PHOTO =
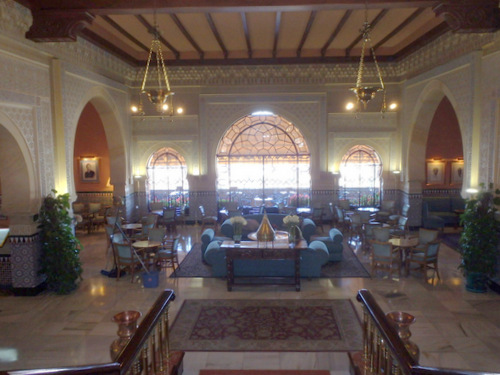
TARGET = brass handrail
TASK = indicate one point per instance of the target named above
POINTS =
(395, 358)
(147, 351)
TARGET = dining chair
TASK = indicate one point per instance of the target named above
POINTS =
(157, 234)
(425, 258)
(317, 217)
(167, 256)
(384, 256)
(381, 234)
(207, 220)
(168, 219)
(125, 258)
(400, 229)
(342, 219)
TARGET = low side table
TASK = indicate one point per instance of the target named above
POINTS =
(276, 250)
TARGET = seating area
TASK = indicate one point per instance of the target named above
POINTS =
(440, 212)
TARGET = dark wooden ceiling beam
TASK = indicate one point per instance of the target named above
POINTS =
(376, 20)
(277, 26)
(99, 7)
(58, 26)
(188, 36)
(217, 35)
(124, 32)
(247, 34)
(151, 29)
(337, 30)
(478, 16)
(312, 16)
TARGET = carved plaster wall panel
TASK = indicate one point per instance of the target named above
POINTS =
(490, 122)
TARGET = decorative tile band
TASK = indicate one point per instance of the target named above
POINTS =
(24, 239)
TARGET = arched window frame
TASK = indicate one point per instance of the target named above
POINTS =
(245, 141)
(362, 194)
(176, 191)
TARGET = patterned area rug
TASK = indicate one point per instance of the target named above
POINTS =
(350, 266)
(266, 325)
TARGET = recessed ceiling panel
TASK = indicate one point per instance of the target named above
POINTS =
(292, 29)
(231, 31)
(324, 25)
(261, 27)
(198, 27)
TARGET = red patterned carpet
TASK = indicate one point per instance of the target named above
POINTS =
(264, 372)
(266, 325)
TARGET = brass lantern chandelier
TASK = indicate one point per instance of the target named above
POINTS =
(160, 95)
(363, 92)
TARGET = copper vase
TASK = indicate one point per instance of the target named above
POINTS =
(127, 325)
(265, 233)
(402, 321)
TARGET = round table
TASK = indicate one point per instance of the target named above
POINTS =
(131, 228)
(404, 244)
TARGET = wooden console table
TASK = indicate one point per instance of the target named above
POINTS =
(276, 250)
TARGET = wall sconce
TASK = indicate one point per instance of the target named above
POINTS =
(396, 171)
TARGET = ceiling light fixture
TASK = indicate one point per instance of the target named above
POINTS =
(160, 94)
(366, 93)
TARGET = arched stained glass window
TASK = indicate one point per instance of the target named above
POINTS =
(166, 178)
(263, 160)
(360, 176)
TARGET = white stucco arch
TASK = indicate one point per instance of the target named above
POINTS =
(20, 187)
(114, 128)
(425, 108)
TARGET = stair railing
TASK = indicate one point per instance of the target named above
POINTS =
(147, 353)
(384, 352)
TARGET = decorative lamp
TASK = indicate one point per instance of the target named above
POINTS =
(161, 94)
(366, 93)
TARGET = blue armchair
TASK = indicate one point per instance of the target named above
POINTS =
(334, 244)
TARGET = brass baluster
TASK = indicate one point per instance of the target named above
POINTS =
(152, 341)
(145, 359)
(159, 329)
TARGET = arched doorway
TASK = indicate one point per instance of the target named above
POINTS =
(360, 176)
(166, 178)
(263, 160)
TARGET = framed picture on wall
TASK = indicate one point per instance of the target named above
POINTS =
(89, 170)
(457, 172)
(435, 173)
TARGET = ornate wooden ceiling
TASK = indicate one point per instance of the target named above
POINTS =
(197, 32)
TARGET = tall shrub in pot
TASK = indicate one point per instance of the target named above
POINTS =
(479, 239)
(60, 261)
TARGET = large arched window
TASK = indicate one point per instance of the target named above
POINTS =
(360, 181)
(166, 182)
(263, 159)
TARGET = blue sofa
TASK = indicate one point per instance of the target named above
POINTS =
(208, 236)
(437, 212)
(307, 227)
(334, 244)
(311, 261)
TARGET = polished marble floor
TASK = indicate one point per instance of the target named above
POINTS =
(454, 328)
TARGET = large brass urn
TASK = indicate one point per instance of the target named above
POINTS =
(265, 233)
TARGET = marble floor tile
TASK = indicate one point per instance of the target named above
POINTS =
(453, 328)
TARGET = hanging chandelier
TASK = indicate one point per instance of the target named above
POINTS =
(160, 95)
(363, 92)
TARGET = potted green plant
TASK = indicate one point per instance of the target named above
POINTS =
(479, 239)
(60, 261)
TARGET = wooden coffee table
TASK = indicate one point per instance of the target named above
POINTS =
(276, 250)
